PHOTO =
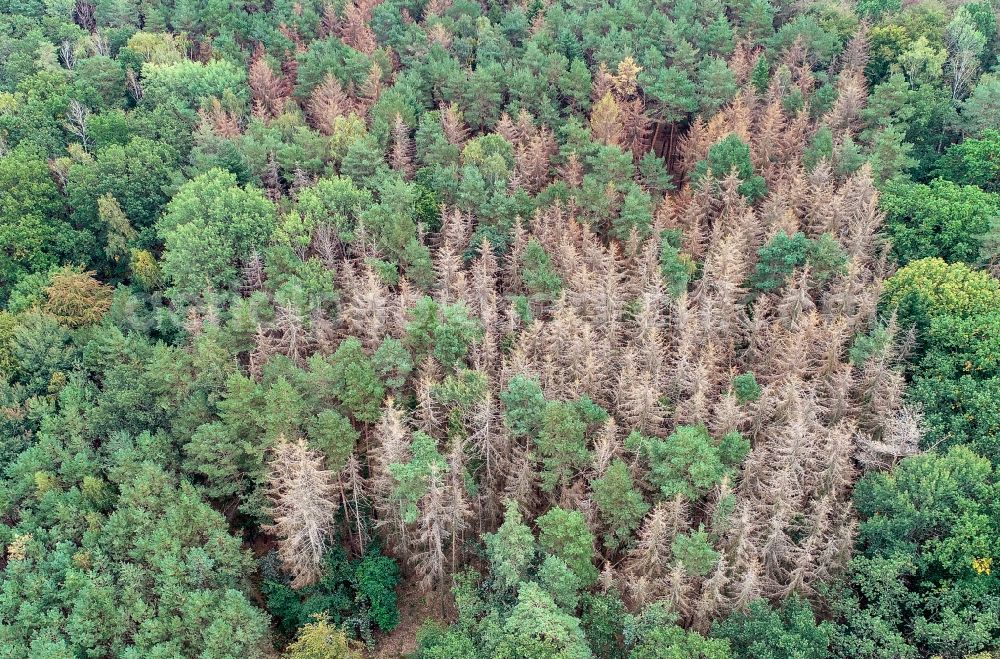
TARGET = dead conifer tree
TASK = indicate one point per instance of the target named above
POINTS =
(265, 85)
(743, 60)
(451, 283)
(899, 438)
(651, 556)
(367, 310)
(636, 127)
(391, 446)
(637, 398)
(436, 8)
(507, 129)
(522, 482)
(766, 139)
(401, 156)
(303, 505)
(572, 172)
(264, 347)
(455, 130)
(457, 505)
(855, 56)
(430, 558)
(292, 337)
(219, 121)
(852, 93)
(606, 447)
(713, 601)
(327, 103)
(354, 495)
(354, 27)
(603, 83)
(677, 587)
(747, 588)
(533, 159)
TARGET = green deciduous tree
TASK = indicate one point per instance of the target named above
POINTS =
(980, 111)
(731, 155)
(32, 228)
(636, 214)
(689, 462)
(783, 254)
(694, 552)
(354, 382)
(930, 287)
(539, 277)
(940, 219)
(209, 225)
(974, 162)
(444, 331)
(655, 634)
(333, 434)
(922, 581)
(676, 266)
(335, 202)
(564, 533)
(321, 640)
(956, 381)
(538, 629)
(191, 82)
(511, 550)
(619, 504)
(524, 406)
(135, 174)
(788, 632)
(562, 439)
(746, 388)
(163, 551)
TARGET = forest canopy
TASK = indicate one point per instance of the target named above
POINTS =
(646, 329)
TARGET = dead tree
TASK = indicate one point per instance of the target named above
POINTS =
(303, 504)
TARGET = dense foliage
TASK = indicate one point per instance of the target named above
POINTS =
(633, 329)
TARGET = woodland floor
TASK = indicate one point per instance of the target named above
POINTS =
(415, 608)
